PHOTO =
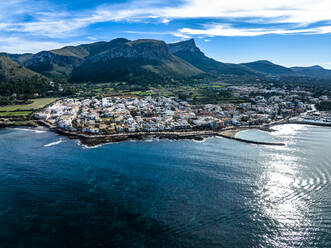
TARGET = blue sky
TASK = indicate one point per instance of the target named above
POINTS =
(287, 32)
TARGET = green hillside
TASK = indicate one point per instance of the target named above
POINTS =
(266, 67)
(15, 78)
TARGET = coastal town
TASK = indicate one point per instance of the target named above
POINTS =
(133, 114)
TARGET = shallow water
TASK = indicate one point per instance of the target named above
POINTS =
(218, 193)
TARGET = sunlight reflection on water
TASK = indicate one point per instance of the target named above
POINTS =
(289, 129)
(286, 191)
(219, 193)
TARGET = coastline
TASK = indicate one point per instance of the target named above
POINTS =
(12, 124)
(94, 140)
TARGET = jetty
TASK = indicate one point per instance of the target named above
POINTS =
(230, 133)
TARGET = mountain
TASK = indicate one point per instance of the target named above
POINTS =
(48, 63)
(53, 65)
(15, 78)
(87, 50)
(269, 68)
(188, 51)
(145, 60)
(58, 64)
(315, 71)
(19, 58)
(119, 59)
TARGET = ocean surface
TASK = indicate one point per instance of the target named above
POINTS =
(160, 193)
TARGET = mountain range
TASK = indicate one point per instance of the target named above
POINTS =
(140, 60)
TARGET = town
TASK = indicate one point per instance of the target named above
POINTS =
(130, 114)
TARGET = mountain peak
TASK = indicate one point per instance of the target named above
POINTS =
(317, 67)
(302, 68)
(190, 41)
(269, 68)
(118, 41)
(263, 62)
(187, 45)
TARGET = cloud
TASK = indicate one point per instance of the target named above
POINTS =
(20, 45)
(293, 11)
(147, 32)
(228, 30)
(44, 19)
(165, 21)
(53, 21)
(181, 35)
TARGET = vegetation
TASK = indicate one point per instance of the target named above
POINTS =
(18, 123)
(21, 114)
(266, 67)
(15, 78)
(195, 92)
(134, 70)
(15, 114)
(34, 105)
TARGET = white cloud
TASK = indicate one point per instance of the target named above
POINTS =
(57, 22)
(147, 32)
(294, 11)
(165, 21)
(181, 35)
(20, 45)
(228, 30)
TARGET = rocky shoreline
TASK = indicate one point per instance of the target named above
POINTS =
(94, 140)
(13, 124)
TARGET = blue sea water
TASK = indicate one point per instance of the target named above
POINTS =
(160, 193)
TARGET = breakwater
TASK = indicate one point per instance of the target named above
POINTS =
(252, 141)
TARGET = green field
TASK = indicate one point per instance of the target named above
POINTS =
(14, 114)
(141, 93)
(37, 104)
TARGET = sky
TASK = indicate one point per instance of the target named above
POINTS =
(286, 32)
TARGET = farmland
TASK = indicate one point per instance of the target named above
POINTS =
(21, 113)
(35, 105)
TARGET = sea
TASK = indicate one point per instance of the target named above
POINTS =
(55, 192)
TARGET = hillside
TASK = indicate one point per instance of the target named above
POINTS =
(88, 50)
(19, 58)
(313, 72)
(188, 51)
(143, 60)
(269, 68)
(15, 78)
